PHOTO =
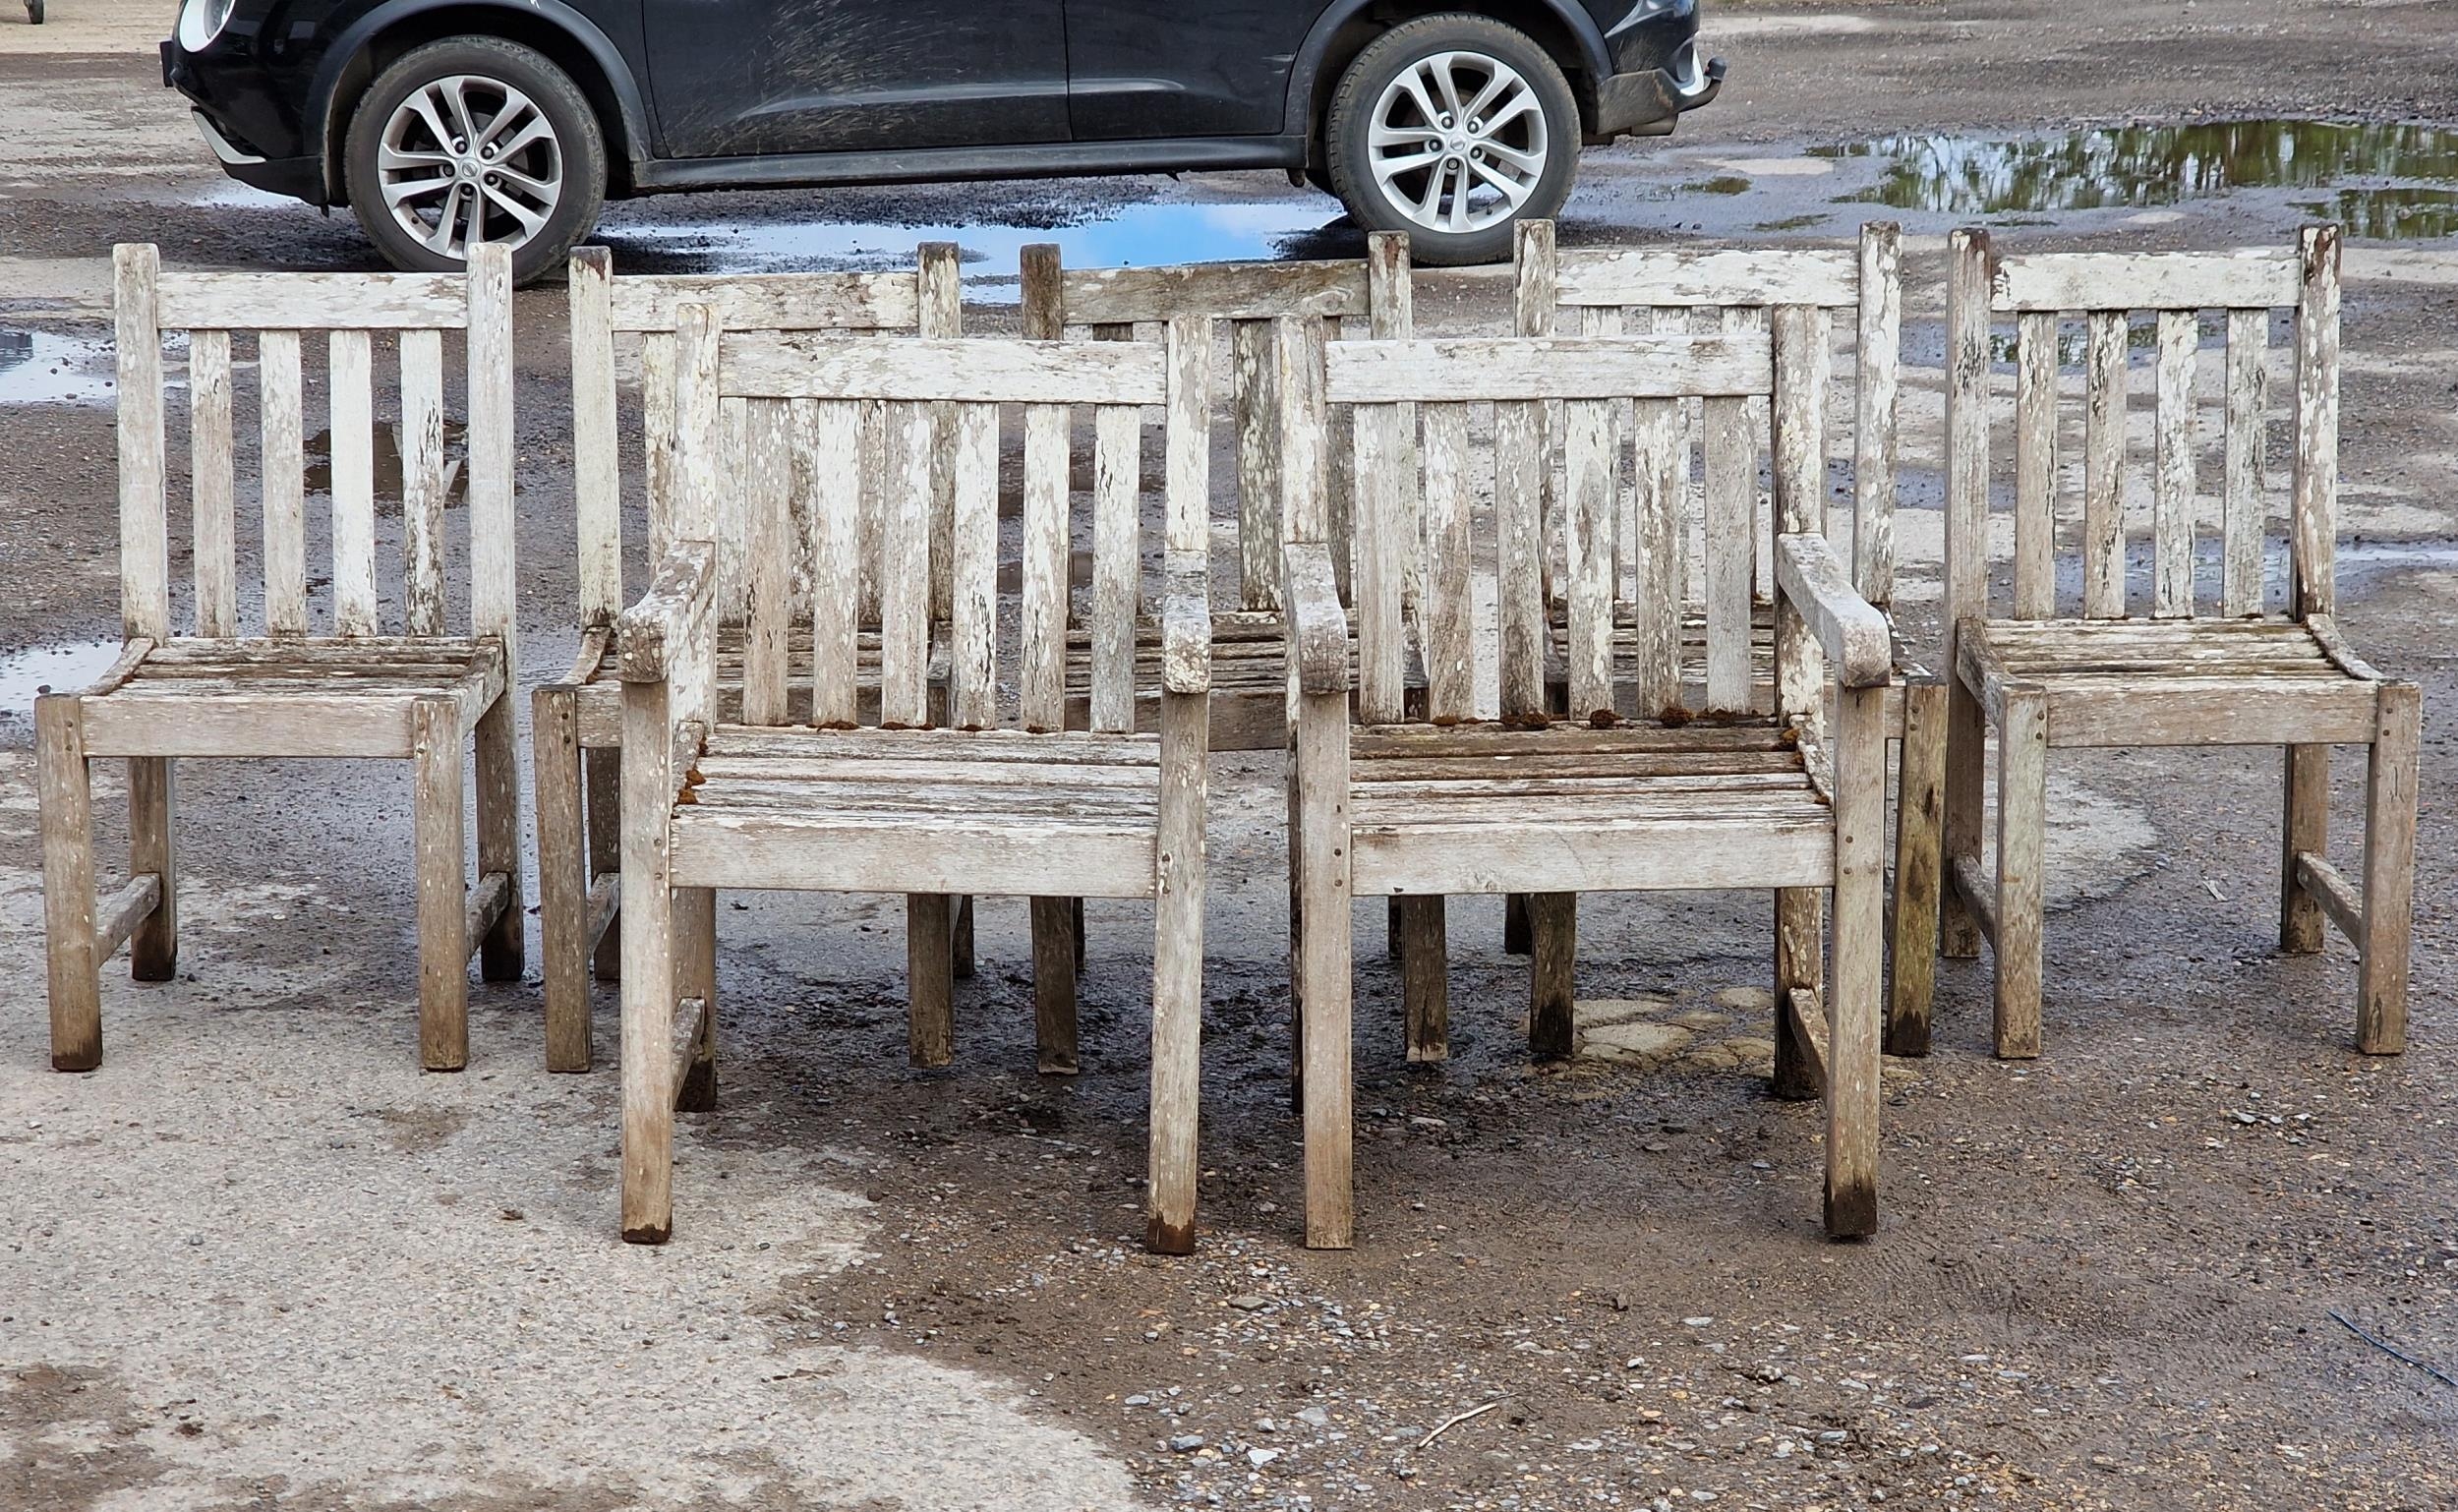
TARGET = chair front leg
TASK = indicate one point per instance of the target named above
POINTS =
(650, 970)
(930, 980)
(1324, 969)
(65, 799)
(1177, 979)
(1425, 974)
(153, 949)
(1552, 951)
(435, 736)
(2021, 837)
(1055, 958)
(2389, 869)
(1856, 985)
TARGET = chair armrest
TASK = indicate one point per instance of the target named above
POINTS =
(1187, 629)
(1318, 627)
(671, 618)
(1861, 649)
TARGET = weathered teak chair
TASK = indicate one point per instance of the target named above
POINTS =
(1606, 292)
(331, 685)
(1325, 300)
(577, 723)
(2182, 644)
(1698, 793)
(903, 806)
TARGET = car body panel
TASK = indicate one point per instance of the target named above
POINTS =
(748, 78)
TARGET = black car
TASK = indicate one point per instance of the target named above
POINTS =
(442, 122)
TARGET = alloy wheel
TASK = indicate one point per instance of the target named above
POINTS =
(1457, 142)
(467, 159)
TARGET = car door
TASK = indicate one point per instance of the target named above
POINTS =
(1155, 67)
(736, 78)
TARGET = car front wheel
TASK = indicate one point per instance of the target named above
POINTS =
(1451, 128)
(474, 140)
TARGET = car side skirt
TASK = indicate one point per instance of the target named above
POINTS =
(1047, 159)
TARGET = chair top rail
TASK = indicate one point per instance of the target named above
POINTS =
(311, 302)
(645, 303)
(971, 371)
(1826, 277)
(2061, 281)
(1659, 366)
(1230, 291)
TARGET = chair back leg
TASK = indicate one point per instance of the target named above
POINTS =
(153, 949)
(64, 797)
(2389, 869)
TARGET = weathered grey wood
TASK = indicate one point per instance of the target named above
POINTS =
(117, 916)
(1966, 880)
(423, 482)
(1800, 1059)
(2035, 465)
(1117, 566)
(501, 946)
(1639, 367)
(972, 645)
(596, 477)
(154, 944)
(769, 302)
(315, 301)
(2334, 894)
(2242, 513)
(1731, 501)
(486, 903)
(905, 567)
(1967, 591)
(1855, 636)
(793, 365)
(1320, 836)
(2389, 871)
(1877, 369)
(1553, 951)
(2171, 501)
(2144, 280)
(939, 276)
(1253, 408)
(1386, 520)
(827, 440)
(144, 539)
(1855, 987)
(350, 433)
(2103, 468)
(212, 484)
(2021, 832)
(1588, 517)
(1424, 949)
(1448, 627)
(1177, 977)
(1233, 291)
(1043, 695)
(1815, 602)
(603, 799)
(649, 960)
(1422, 853)
(930, 983)
(1522, 477)
(1827, 277)
(564, 883)
(1921, 811)
(2313, 535)
(64, 797)
(442, 886)
(765, 485)
(281, 408)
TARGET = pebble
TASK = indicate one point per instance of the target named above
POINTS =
(1250, 1302)
(1696, 1323)
(1315, 1417)
(1258, 1458)
(1139, 1400)
(1186, 1443)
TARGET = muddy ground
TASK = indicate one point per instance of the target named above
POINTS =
(258, 1260)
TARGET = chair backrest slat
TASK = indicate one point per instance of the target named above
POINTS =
(359, 317)
(1595, 379)
(423, 480)
(1250, 298)
(803, 398)
(927, 302)
(1731, 291)
(213, 483)
(282, 404)
(351, 432)
(2194, 533)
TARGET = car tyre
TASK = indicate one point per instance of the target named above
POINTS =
(474, 133)
(1453, 181)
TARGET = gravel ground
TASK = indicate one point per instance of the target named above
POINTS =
(259, 1260)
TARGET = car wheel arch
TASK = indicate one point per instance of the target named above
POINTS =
(562, 35)
(1563, 28)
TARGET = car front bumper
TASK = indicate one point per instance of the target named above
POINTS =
(1647, 102)
(241, 110)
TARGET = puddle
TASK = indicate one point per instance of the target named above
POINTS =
(2390, 181)
(40, 367)
(51, 669)
(318, 449)
(1132, 236)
